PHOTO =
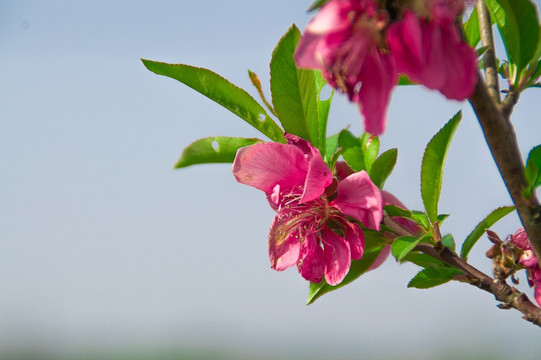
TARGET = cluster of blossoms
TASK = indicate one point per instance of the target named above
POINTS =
(529, 261)
(361, 46)
(317, 219)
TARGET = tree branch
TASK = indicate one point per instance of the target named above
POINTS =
(500, 135)
(487, 39)
(501, 140)
(509, 103)
(508, 295)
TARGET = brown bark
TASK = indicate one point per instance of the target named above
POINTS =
(509, 296)
(489, 57)
(494, 119)
(500, 137)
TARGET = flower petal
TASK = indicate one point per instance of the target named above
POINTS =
(404, 39)
(307, 54)
(445, 11)
(330, 18)
(342, 41)
(520, 239)
(311, 264)
(337, 257)
(536, 280)
(433, 54)
(355, 239)
(378, 77)
(319, 175)
(433, 71)
(264, 166)
(314, 46)
(461, 65)
(342, 170)
(284, 249)
(537, 293)
(358, 197)
(528, 259)
(417, 50)
(318, 178)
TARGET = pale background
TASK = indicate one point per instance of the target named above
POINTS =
(104, 249)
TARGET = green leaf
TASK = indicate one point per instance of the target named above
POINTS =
(352, 150)
(393, 210)
(332, 161)
(537, 54)
(222, 92)
(294, 91)
(422, 219)
(316, 5)
(323, 109)
(535, 75)
(383, 167)
(442, 218)
(215, 149)
(359, 153)
(518, 24)
(480, 52)
(433, 276)
(405, 80)
(533, 170)
(432, 166)
(449, 241)
(374, 243)
(471, 29)
(370, 145)
(422, 260)
(417, 216)
(483, 226)
(333, 152)
(403, 245)
(331, 146)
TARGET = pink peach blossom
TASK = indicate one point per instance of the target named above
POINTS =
(443, 11)
(343, 41)
(312, 226)
(529, 261)
(360, 52)
(431, 52)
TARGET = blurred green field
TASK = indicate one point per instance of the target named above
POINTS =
(230, 354)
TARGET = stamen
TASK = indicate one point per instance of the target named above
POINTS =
(300, 219)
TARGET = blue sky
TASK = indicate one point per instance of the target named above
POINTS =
(103, 245)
